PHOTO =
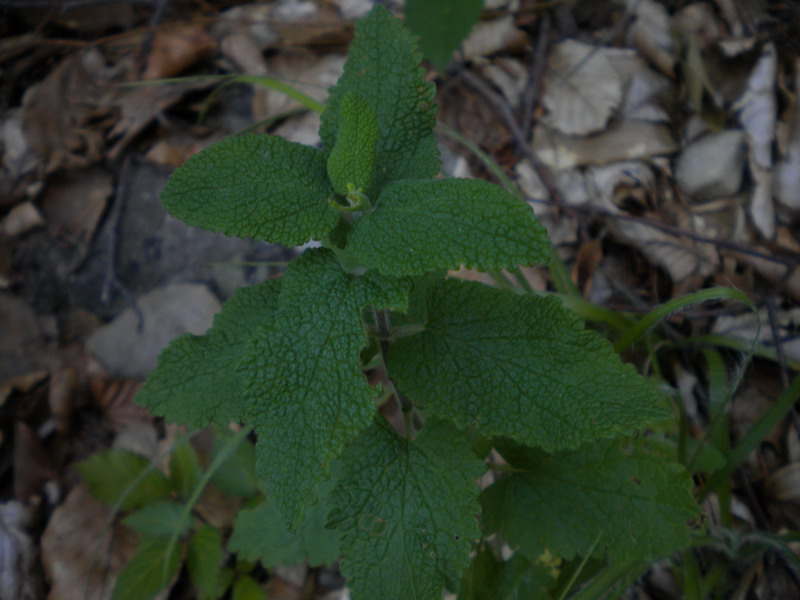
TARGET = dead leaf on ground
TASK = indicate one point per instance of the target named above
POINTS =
(32, 466)
(176, 48)
(70, 136)
(82, 550)
(18, 578)
(582, 88)
(75, 201)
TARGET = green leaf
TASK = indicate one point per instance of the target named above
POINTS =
(441, 25)
(636, 500)
(195, 382)
(124, 479)
(351, 163)
(148, 572)
(515, 579)
(259, 534)
(258, 186)
(383, 68)
(305, 392)
(204, 562)
(519, 366)
(247, 588)
(425, 225)
(184, 468)
(161, 519)
(406, 510)
(236, 475)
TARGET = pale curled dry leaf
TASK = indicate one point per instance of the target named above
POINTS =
(488, 37)
(82, 550)
(582, 88)
(650, 33)
(18, 580)
(627, 140)
(757, 108)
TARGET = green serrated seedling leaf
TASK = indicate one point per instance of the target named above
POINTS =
(519, 366)
(351, 163)
(195, 382)
(124, 479)
(236, 476)
(149, 571)
(441, 25)
(161, 519)
(383, 68)
(406, 510)
(258, 186)
(184, 468)
(425, 225)
(259, 534)
(305, 392)
(635, 500)
(203, 560)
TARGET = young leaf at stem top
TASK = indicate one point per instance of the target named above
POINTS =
(383, 68)
(351, 163)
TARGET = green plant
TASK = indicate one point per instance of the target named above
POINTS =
(441, 25)
(485, 379)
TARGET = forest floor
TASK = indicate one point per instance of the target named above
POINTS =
(659, 142)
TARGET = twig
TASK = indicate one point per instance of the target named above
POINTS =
(65, 5)
(535, 72)
(111, 237)
(505, 113)
(790, 263)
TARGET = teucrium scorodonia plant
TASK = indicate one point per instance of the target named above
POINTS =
(474, 366)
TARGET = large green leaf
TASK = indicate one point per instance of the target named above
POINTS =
(420, 226)
(304, 389)
(441, 25)
(195, 382)
(406, 510)
(383, 68)
(258, 186)
(519, 366)
(636, 501)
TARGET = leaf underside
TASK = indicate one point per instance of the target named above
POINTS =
(304, 389)
(404, 103)
(406, 510)
(521, 367)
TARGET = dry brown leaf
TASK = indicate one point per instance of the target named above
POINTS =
(32, 467)
(176, 48)
(69, 136)
(75, 201)
(82, 550)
